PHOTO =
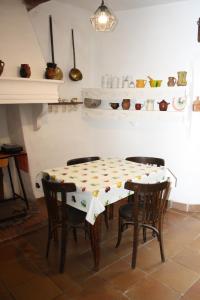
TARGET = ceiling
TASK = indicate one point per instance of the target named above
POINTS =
(117, 4)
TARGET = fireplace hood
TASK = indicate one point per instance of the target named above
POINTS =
(14, 90)
(19, 45)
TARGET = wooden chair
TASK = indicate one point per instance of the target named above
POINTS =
(148, 216)
(151, 161)
(147, 160)
(82, 160)
(61, 216)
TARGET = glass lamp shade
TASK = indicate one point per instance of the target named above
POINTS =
(103, 19)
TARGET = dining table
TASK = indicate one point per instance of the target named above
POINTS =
(100, 183)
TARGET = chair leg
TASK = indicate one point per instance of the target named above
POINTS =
(48, 240)
(64, 238)
(75, 234)
(144, 234)
(55, 233)
(120, 230)
(135, 245)
(160, 240)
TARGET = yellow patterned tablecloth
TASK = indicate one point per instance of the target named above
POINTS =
(101, 182)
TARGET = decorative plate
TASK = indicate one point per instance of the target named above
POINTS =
(179, 103)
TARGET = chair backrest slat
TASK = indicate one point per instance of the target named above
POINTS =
(147, 160)
(82, 160)
(153, 198)
(51, 191)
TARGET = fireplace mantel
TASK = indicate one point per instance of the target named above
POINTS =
(14, 90)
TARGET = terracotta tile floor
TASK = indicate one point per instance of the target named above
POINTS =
(25, 274)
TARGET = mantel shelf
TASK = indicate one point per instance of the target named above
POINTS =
(15, 90)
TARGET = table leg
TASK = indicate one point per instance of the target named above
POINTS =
(11, 181)
(21, 182)
(95, 233)
(1, 185)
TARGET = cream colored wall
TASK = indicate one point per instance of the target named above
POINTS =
(155, 41)
(18, 42)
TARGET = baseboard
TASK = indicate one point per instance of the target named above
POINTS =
(185, 207)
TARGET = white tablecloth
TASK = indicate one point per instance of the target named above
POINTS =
(101, 182)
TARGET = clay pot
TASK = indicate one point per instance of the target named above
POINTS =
(114, 105)
(163, 105)
(138, 106)
(2, 64)
(171, 81)
(25, 71)
(50, 72)
(126, 104)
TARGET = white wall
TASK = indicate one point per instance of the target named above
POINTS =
(156, 41)
(18, 42)
(3, 125)
(64, 18)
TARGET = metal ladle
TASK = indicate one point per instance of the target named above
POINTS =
(75, 74)
(58, 71)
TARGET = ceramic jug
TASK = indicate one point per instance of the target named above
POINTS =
(182, 78)
(149, 104)
(138, 106)
(163, 105)
(50, 72)
(126, 104)
(196, 104)
(140, 83)
(2, 64)
(171, 81)
(25, 71)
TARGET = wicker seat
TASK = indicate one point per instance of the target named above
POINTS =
(147, 216)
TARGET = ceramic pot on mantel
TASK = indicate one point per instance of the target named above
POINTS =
(2, 64)
(25, 71)
(50, 72)
(126, 104)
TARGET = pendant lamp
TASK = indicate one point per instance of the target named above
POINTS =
(103, 19)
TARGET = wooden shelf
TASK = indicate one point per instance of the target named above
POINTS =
(65, 103)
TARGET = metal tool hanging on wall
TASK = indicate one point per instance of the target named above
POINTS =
(74, 74)
(198, 37)
(53, 71)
